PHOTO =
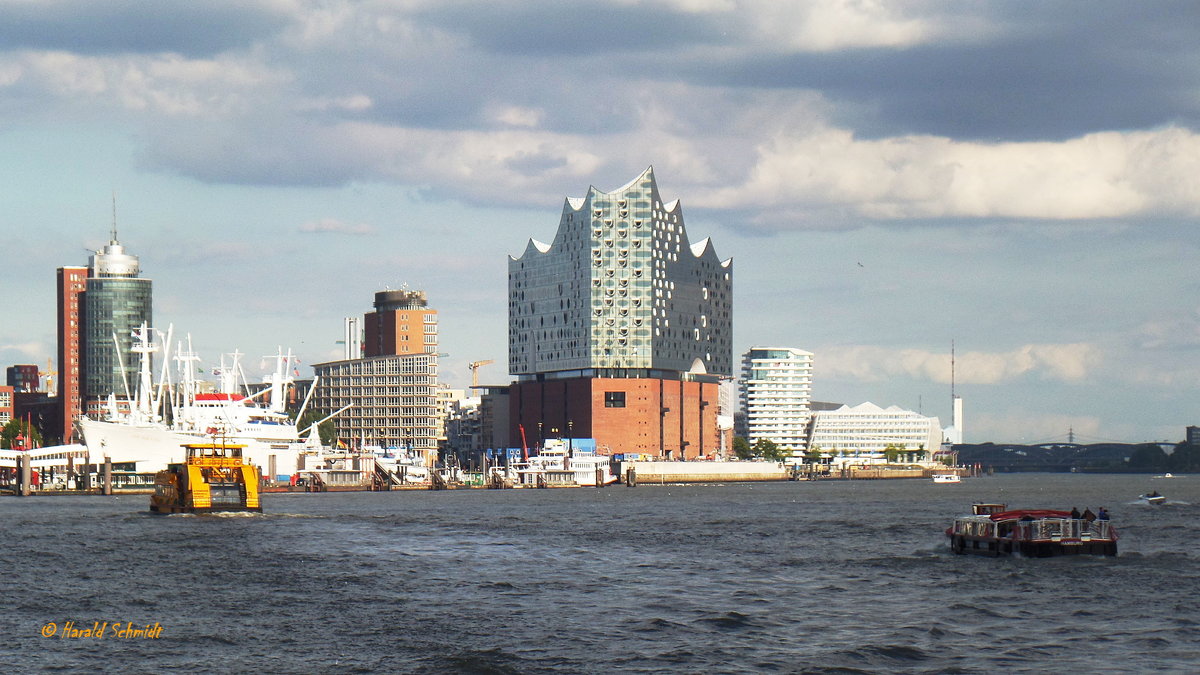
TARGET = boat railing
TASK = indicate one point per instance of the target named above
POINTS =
(1052, 529)
(1070, 528)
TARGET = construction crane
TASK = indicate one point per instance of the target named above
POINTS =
(49, 374)
(475, 366)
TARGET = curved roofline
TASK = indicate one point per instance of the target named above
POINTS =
(534, 245)
(623, 188)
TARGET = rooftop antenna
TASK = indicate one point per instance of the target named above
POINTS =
(114, 222)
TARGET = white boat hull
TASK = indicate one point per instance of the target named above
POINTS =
(153, 447)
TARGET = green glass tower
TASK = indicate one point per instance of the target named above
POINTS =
(116, 303)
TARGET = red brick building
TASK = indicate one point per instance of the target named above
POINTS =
(402, 323)
(72, 282)
(669, 418)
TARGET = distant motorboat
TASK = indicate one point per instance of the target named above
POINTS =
(1152, 498)
(947, 478)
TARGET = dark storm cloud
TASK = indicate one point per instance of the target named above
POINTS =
(189, 28)
(556, 28)
(1060, 75)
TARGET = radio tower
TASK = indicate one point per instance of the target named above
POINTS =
(956, 406)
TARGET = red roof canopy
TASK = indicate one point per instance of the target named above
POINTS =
(1036, 514)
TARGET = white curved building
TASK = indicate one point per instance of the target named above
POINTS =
(866, 430)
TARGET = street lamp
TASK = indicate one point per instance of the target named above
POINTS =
(570, 438)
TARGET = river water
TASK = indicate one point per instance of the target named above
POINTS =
(832, 576)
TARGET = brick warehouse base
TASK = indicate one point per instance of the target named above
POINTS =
(668, 418)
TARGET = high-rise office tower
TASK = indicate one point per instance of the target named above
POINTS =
(621, 328)
(391, 387)
(116, 303)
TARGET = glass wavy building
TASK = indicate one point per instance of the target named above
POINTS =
(621, 327)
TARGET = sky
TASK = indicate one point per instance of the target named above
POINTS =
(1018, 180)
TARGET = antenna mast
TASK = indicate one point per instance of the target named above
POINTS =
(114, 222)
(952, 397)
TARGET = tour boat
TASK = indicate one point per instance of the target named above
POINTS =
(947, 478)
(994, 530)
(213, 478)
(560, 465)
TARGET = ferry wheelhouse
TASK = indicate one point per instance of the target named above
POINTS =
(213, 478)
(994, 530)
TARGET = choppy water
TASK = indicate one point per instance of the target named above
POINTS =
(785, 577)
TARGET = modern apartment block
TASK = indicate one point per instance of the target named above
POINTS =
(392, 388)
(866, 430)
(24, 378)
(776, 396)
(6, 404)
(621, 328)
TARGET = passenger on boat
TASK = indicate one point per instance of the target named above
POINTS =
(1103, 513)
(1074, 513)
(1088, 515)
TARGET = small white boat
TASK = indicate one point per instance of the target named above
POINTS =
(947, 478)
(1152, 498)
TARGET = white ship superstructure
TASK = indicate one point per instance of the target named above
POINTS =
(150, 440)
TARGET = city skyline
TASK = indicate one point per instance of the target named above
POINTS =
(1017, 180)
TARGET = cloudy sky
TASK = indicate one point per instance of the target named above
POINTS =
(1019, 179)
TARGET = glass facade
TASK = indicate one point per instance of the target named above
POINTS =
(621, 287)
(113, 308)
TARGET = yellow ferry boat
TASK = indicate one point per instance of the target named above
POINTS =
(213, 478)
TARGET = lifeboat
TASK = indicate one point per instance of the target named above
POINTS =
(213, 478)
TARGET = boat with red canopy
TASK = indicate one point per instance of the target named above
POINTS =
(996, 530)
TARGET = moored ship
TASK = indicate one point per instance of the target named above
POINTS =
(214, 477)
(994, 530)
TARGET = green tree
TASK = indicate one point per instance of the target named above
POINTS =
(892, 453)
(1184, 458)
(1148, 457)
(813, 454)
(17, 426)
(768, 450)
(324, 430)
(741, 448)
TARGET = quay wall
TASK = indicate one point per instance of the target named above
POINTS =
(705, 472)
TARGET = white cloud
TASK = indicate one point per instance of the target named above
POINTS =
(332, 226)
(30, 350)
(828, 25)
(1102, 175)
(1065, 362)
(518, 116)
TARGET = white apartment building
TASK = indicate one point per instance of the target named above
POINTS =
(864, 432)
(776, 395)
